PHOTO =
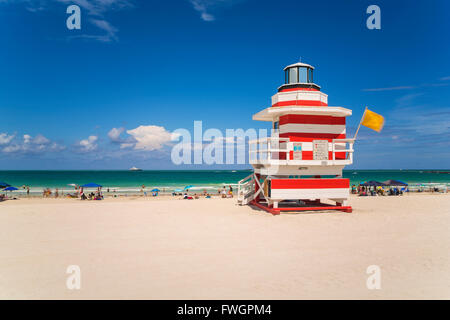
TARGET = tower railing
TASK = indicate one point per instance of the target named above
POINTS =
(276, 150)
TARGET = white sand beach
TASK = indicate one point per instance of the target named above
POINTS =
(142, 248)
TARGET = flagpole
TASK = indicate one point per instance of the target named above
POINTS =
(359, 126)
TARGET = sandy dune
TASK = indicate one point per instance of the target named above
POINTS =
(214, 249)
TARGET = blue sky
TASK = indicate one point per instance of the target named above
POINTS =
(147, 68)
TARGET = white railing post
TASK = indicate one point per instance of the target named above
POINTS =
(333, 149)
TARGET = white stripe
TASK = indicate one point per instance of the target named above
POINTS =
(299, 95)
(312, 128)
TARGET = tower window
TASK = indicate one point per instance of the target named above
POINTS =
(302, 75)
(293, 75)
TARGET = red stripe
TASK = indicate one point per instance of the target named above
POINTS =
(313, 103)
(308, 137)
(310, 183)
(299, 89)
(310, 119)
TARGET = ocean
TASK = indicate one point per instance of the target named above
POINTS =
(131, 181)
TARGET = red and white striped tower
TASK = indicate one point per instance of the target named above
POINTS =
(300, 166)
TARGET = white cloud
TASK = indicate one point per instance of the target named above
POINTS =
(114, 134)
(110, 32)
(38, 140)
(107, 27)
(11, 149)
(201, 6)
(5, 138)
(422, 85)
(98, 7)
(92, 8)
(88, 144)
(390, 88)
(149, 138)
(37, 144)
(126, 145)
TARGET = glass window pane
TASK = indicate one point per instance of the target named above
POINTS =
(303, 76)
(311, 80)
(293, 75)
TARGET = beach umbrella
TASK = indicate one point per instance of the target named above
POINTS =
(10, 189)
(373, 183)
(73, 184)
(4, 185)
(91, 185)
(177, 190)
(395, 183)
(188, 187)
(155, 190)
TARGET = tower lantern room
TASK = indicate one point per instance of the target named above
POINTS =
(300, 75)
(302, 161)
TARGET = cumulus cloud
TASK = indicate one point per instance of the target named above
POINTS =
(5, 138)
(38, 140)
(29, 144)
(149, 138)
(88, 145)
(114, 134)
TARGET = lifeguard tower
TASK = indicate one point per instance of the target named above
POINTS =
(300, 165)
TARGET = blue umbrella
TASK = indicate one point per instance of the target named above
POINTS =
(395, 183)
(188, 187)
(91, 185)
(373, 183)
(155, 190)
(4, 185)
(10, 189)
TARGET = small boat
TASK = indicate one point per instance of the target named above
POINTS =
(135, 169)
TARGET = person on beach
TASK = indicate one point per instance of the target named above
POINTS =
(28, 191)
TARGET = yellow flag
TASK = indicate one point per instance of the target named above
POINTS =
(373, 120)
